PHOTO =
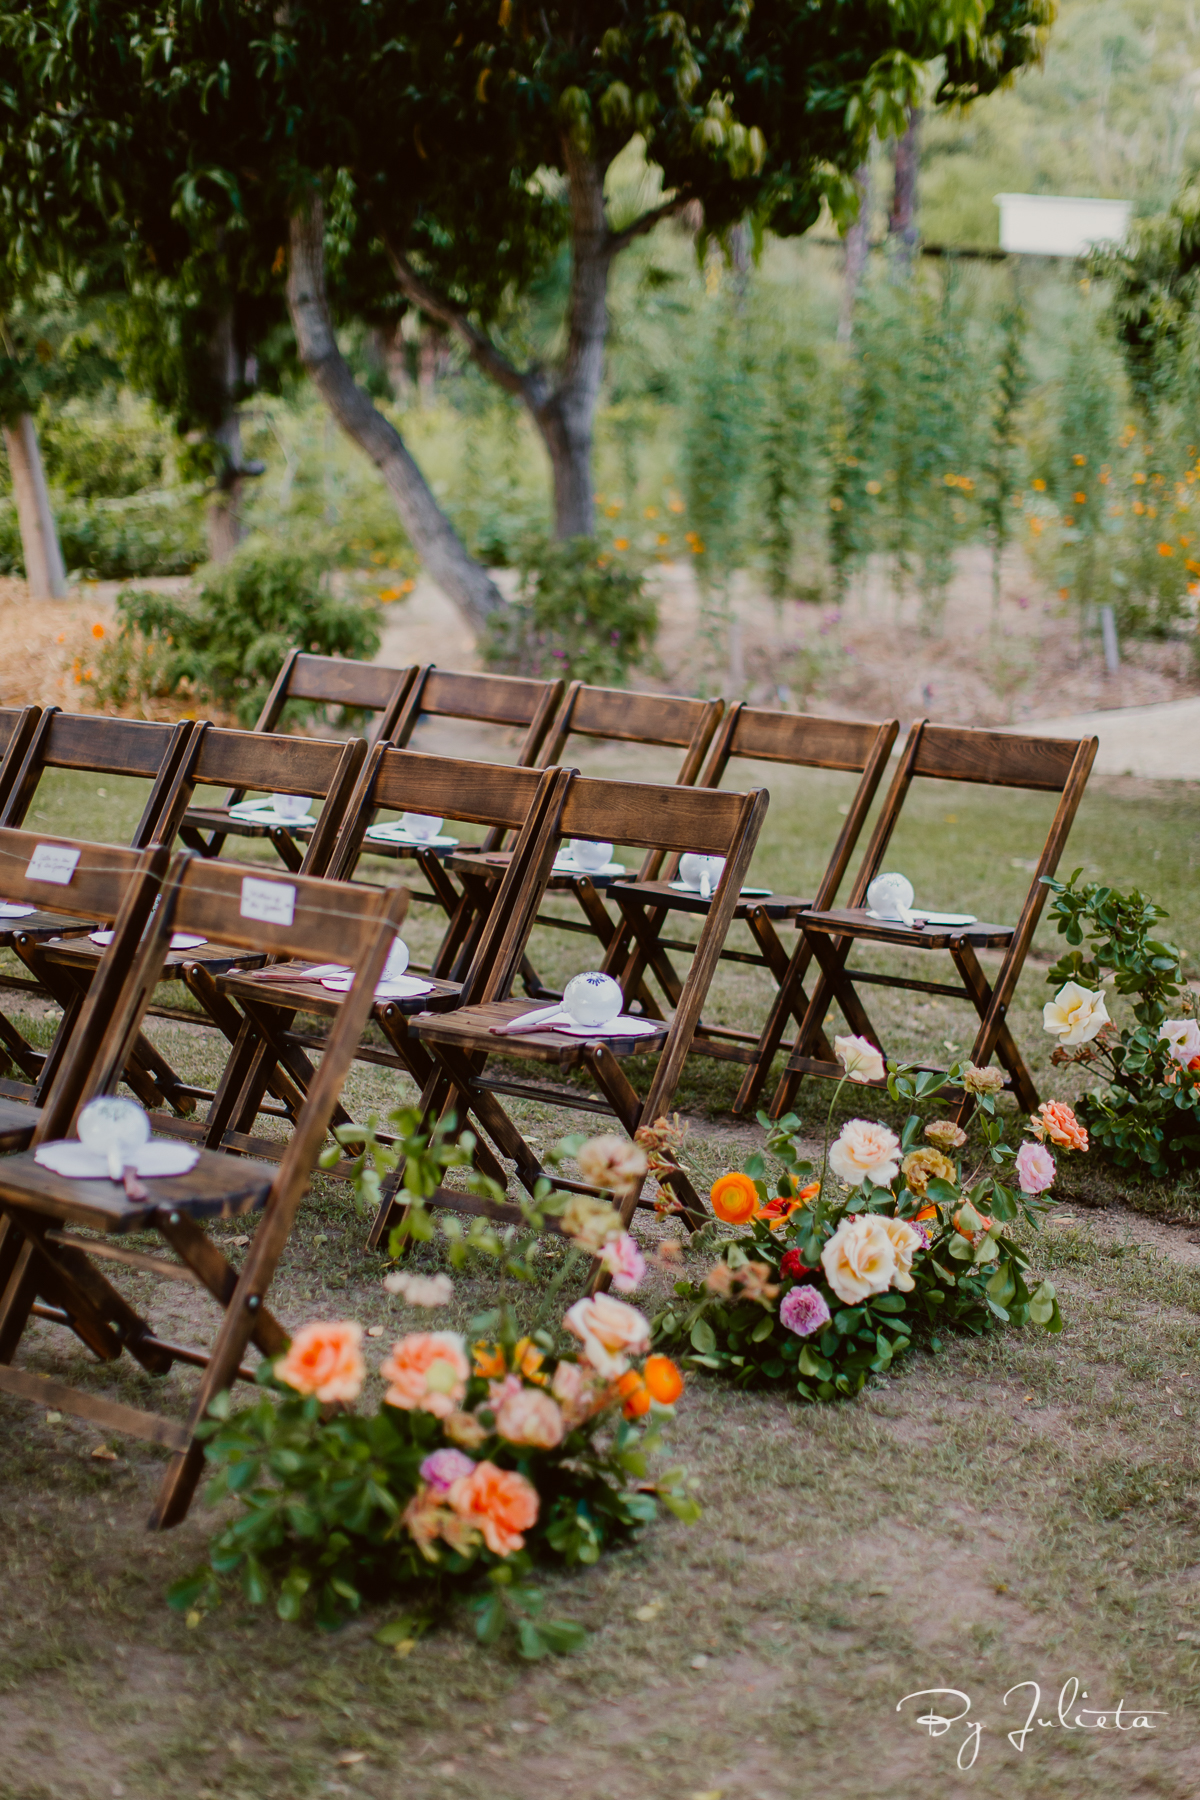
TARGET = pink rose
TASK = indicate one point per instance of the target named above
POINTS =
(624, 1262)
(1035, 1168)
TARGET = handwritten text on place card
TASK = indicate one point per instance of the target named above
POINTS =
(273, 902)
(52, 862)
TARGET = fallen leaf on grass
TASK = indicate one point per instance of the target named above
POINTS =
(239, 1240)
(374, 1330)
(102, 1453)
(351, 1757)
(650, 1611)
(54, 1418)
(700, 1662)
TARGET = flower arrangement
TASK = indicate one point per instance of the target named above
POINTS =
(490, 1452)
(834, 1276)
(1148, 1115)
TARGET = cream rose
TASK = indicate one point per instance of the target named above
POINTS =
(859, 1259)
(1075, 1014)
(906, 1241)
(860, 1058)
(614, 1163)
(865, 1150)
(609, 1331)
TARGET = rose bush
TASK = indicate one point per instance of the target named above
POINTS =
(893, 1242)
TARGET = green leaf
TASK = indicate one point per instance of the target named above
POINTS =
(703, 1337)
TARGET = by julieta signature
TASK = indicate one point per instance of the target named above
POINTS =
(1027, 1695)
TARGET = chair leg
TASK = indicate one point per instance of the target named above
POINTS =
(993, 1035)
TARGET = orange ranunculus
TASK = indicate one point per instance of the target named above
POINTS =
(663, 1380)
(734, 1198)
(634, 1393)
(927, 1212)
(488, 1361)
(325, 1360)
(500, 1502)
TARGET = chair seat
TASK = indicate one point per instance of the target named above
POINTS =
(671, 899)
(216, 818)
(311, 997)
(491, 864)
(219, 1187)
(856, 922)
(17, 1120)
(43, 925)
(81, 953)
(471, 1029)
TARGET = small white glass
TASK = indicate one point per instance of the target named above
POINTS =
(290, 806)
(115, 1129)
(421, 827)
(593, 998)
(701, 873)
(890, 895)
(588, 856)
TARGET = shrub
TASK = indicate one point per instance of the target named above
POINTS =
(579, 611)
(228, 642)
(160, 533)
(1148, 1118)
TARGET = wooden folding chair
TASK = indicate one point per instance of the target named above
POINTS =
(96, 883)
(666, 819)
(318, 680)
(17, 725)
(613, 716)
(515, 702)
(270, 1050)
(323, 769)
(942, 753)
(795, 740)
(60, 1233)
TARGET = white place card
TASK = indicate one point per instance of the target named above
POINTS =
(52, 862)
(271, 902)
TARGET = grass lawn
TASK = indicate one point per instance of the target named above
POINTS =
(1017, 1509)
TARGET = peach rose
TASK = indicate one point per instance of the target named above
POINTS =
(860, 1058)
(1057, 1121)
(531, 1417)
(498, 1502)
(609, 1331)
(865, 1151)
(905, 1243)
(946, 1134)
(859, 1258)
(589, 1222)
(325, 1360)
(428, 1371)
(614, 1163)
(579, 1392)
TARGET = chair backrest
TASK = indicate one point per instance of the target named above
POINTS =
(339, 681)
(284, 915)
(515, 701)
(17, 724)
(102, 883)
(994, 759)
(101, 746)
(617, 716)
(806, 740)
(497, 795)
(322, 769)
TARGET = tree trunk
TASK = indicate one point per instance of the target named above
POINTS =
(463, 580)
(224, 520)
(858, 247)
(566, 418)
(902, 225)
(44, 570)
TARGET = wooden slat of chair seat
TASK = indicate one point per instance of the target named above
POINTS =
(942, 753)
(271, 1050)
(45, 1267)
(326, 680)
(665, 818)
(793, 740)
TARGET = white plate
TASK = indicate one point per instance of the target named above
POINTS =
(252, 812)
(180, 940)
(12, 909)
(394, 833)
(564, 865)
(623, 1027)
(68, 1157)
(751, 893)
(401, 987)
(931, 918)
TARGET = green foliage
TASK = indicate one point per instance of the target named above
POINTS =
(1148, 1118)
(115, 540)
(579, 611)
(972, 1276)
(1154, 290)
(227, 643)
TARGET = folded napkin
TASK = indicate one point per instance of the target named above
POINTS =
(298, 972)
(399, 987)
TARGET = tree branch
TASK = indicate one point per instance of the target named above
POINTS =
(524, 385)
(619, 240)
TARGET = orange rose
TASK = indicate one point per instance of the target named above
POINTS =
(428, 1371)
(734, 1198)
(325, 1360)
(1056, 1121)
(501, 1503)
(663, 1380)
(634, 1393)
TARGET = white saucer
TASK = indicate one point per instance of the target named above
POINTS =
(180, 940)
(394, 833)
(251, 812)
(13, 909)
(69, 1157)
(565, 865)
(623, 1026)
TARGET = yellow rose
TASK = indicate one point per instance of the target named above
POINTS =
(920, 1167)
(1075, 1014)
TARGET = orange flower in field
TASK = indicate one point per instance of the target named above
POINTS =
(501, 1503)
(97, 630)
(1057, 1122)
(634, 1393)
(1166, 550)
(325, 1360)
(663, 1380)
(734, 1198)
